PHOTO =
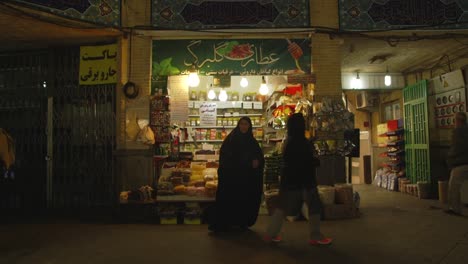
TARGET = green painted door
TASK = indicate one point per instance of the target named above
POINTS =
(416, 132)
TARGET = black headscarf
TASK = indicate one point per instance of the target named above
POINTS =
(239, 137)
(238, 146)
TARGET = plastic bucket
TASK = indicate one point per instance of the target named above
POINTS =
(327, 194)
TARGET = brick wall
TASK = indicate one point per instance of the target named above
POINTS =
(136, 67)
(326, 50)
(326, 64)
(324, 13)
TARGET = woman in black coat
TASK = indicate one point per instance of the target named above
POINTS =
(240, 180)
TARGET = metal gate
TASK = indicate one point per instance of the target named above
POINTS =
(64, 132)
(23, 108)
(416, 126)
(83, 137)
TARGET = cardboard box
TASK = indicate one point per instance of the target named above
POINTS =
(339, 211)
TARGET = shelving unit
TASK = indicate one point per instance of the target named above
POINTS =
(395, 150)
(227, 115)
(393, 167)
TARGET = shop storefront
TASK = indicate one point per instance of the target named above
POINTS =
(199, 90)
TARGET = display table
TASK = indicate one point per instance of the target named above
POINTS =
(183, 198)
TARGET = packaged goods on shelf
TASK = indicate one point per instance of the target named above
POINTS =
(188, 178)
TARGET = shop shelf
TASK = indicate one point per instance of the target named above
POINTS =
(183, 198)
(396, 153)
(395, 143)
(232, 115)
(394, 164)
(397, 132)
(257, 126)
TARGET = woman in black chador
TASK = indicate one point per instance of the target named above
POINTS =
(240, 180)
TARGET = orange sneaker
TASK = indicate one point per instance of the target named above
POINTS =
(276, 239)
(323, 241)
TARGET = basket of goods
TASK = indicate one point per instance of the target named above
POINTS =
(165, 188)
(210, 188)
(212, 164)
(183, 164)
(272, 200)
(327, 194)
(344, 193)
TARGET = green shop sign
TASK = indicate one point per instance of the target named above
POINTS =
(231, 57)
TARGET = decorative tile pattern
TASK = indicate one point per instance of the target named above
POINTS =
(401, 14)
(201, 14)
(105, 12)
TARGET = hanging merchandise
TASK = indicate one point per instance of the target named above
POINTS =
(160, 117)
(330, 122)
(293, 89)
(281, 106)
(146, 135)
(175, 143)
(303, 106)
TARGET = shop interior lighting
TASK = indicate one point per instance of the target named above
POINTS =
(387, 79)
(223, 95)
(193, 78)
(211, 93)
(244, 82)
(356, 83)
(263, 87)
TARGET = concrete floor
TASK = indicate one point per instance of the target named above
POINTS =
(393, 228)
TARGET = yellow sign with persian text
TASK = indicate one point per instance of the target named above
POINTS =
(98, 64)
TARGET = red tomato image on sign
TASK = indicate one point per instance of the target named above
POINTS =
(240, 52)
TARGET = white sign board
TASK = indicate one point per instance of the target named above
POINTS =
(257, 105)
(247, 105)
(178, 92)
(208, 114)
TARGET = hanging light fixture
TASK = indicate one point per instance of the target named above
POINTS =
(244, 82)
(356, 83)
(387, 79)
(263, 87)
(223, 95)
(211, 93)
(193, 78)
